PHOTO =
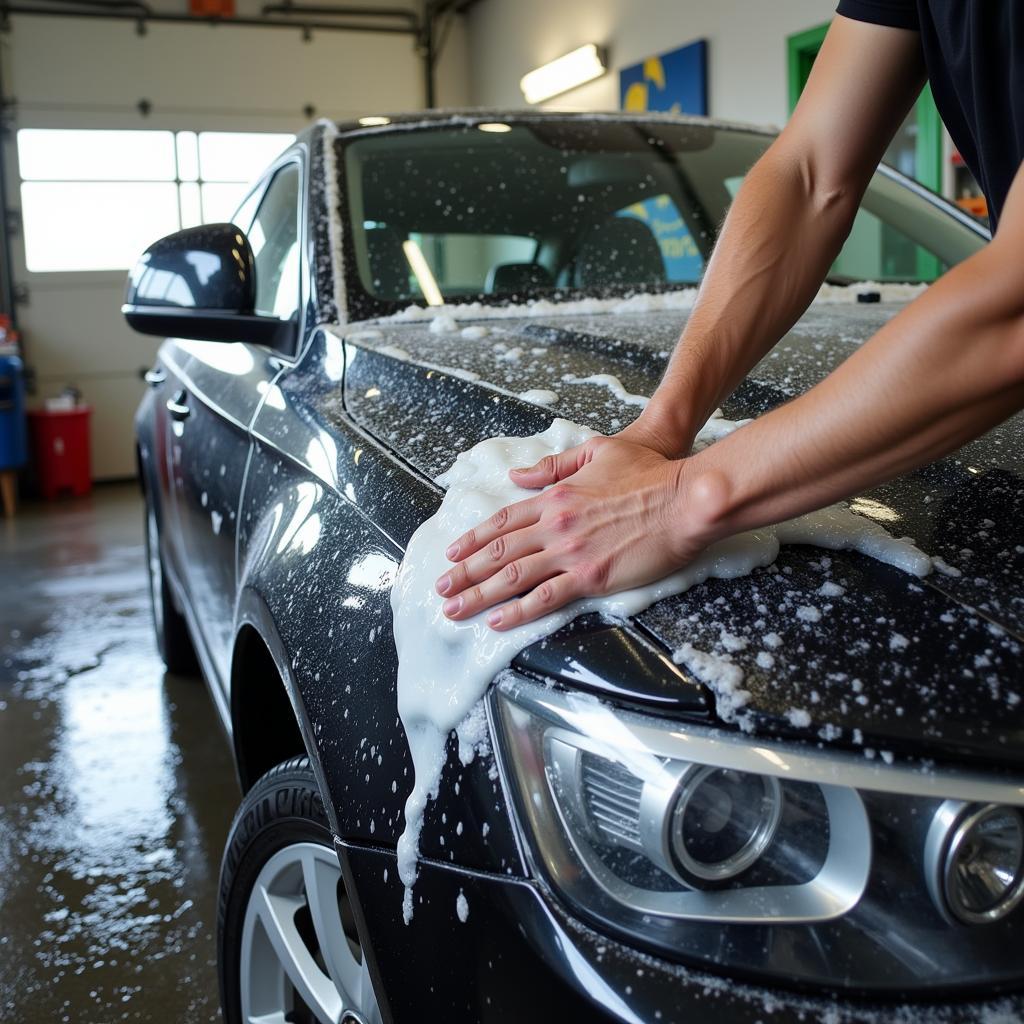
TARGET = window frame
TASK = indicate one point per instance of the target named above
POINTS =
(296, 154)
(65, 279)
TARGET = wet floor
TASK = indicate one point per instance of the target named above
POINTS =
(116, 783)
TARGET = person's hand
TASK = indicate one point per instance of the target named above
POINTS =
(652, 431)
(613, 520)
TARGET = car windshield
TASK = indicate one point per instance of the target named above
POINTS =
(505, 212)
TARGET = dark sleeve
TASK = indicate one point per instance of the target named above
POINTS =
(894, 13)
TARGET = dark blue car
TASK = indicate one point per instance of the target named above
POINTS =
(616, 849)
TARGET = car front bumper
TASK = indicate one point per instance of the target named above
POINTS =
(520, 957)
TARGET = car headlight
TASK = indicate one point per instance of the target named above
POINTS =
(781, 861)
(722, 822)
(975, 855)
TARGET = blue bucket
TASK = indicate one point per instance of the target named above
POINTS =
(13, 439)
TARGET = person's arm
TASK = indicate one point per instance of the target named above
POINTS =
(949, 367)
(624, 513)
(787, 224)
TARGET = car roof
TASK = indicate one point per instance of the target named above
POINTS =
(473, 116)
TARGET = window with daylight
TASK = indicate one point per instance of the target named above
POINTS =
(93, 200)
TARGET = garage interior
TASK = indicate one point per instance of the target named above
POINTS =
(122, 121)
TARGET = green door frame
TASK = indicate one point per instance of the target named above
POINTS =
(802, 48)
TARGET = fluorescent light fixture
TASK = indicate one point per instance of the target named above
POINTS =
(494, 126)
(582, 65)
(373, 121)
(425, 279)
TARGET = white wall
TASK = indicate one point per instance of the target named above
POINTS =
(746, 47)
(78, 73)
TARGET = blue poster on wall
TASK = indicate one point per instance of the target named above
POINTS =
(674, 82)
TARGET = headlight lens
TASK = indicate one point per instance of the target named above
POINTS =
(781, 862)
(722, 822)
(977, 860)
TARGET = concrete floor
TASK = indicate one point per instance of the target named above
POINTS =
(116, 783)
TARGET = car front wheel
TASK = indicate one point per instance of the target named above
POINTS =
(288, 949)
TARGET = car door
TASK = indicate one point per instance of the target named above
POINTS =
(217, 393)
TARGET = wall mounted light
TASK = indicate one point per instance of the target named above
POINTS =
(582, 65)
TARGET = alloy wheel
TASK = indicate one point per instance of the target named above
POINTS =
(301, 961)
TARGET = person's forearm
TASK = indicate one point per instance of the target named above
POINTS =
(947, 368)
(782, 233)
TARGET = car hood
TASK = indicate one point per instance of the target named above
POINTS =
(929, 667)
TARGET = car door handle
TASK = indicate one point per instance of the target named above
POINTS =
(155, 377)
(177, 406)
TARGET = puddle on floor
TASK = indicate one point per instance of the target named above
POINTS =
(116, 783)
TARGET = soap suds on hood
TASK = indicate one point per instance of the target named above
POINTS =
(612, 383)
(539, 396)
(444, 667)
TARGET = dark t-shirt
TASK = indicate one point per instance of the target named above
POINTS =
(974, 52)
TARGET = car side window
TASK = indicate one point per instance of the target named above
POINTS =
(243, 215)
(274, 237)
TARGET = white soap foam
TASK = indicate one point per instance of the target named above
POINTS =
(394, 352)
(457, 371)
(539, 396)
(612, 383)
(642, 302)
(721, 675)
(443, 324)
(444, 667)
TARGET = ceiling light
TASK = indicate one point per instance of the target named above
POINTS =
(373, 121)
(582, 65)
(495, 126)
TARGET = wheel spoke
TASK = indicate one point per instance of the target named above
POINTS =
(277, 965)
(277, 916)
(320, 873)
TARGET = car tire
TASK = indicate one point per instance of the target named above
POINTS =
(172, 637)
(287, 945)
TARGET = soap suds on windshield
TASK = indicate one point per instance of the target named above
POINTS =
(642, 302)
(444, 667)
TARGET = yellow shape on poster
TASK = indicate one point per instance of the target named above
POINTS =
(654, 72)
(637, 94)
(636, 97)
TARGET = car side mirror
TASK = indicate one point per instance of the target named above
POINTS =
(200, 283)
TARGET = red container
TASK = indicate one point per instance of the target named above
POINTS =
(60, 451)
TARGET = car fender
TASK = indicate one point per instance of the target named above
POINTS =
(323, 521)
(253, 614)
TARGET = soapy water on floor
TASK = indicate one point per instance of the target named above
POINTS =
(444, 667)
